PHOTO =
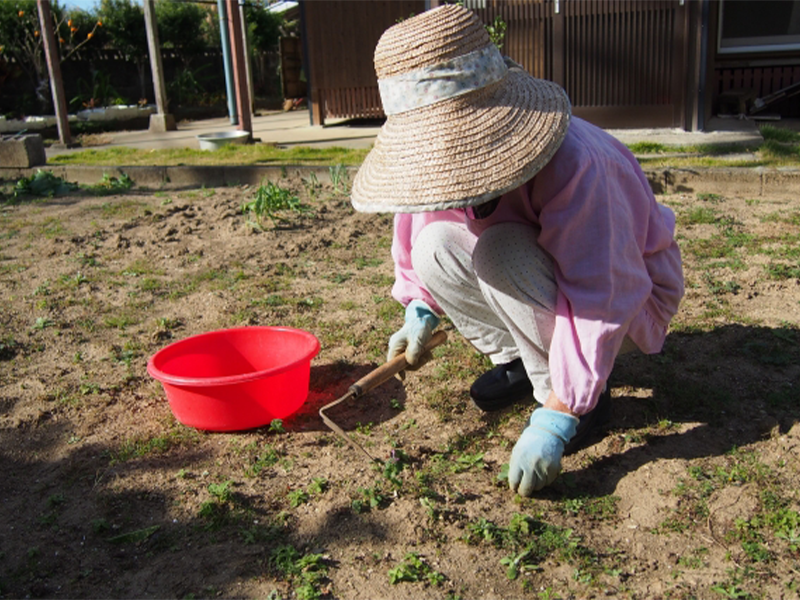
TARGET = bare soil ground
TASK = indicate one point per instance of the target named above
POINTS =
(688, 490)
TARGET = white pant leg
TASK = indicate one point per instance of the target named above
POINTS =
(517, 279)
(442, 258)
(499, 290)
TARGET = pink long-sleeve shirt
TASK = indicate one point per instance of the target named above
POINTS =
(617, 265)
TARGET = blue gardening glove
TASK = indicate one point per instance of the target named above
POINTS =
(417, 331)
(536, 457)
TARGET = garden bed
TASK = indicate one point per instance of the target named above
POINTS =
(688, 490)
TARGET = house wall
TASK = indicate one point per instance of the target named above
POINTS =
(340, 40)
(761, 73)
(624, 63)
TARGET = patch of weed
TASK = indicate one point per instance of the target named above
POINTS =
(138, 447)
(781, 271)
(699, 215)
(111, 185)
(779, 134)
(43, 184)
(307, 573)
(272, 202)
(415, 569)
(530, 541)
(369, 498)
(596, 509)
(268, 457)
(339, 178)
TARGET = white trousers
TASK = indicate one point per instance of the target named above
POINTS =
(498, 289)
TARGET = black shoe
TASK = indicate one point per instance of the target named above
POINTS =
(501, 387)
(596, 416)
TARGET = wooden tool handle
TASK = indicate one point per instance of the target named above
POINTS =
(391, 368)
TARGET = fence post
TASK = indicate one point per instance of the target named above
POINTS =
(54, 69)
(162, 121)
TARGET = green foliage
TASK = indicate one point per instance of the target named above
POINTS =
(21, 42)
(497, 31)
(189, 85)
(647, 148)
(270, 201)
(250, 154)
(300, 496)
(370, 498)
(339, 178)
(392, 468)
(415, 569)
(112, 185)
(43, 184)
(138, 447)
(122, 22)
(221, 491)
(263, 27)
(95, 93)
(297, 497)
(782, 271)
(698, 215)
(180, 27)
(9, 347)
(265, 459)
(779, 134)
(306, 572)
(530, 542)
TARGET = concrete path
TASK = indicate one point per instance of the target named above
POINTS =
(293, 128)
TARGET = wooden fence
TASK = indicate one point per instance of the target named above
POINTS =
(621, 61)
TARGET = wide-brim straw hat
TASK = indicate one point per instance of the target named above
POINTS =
(462, 128)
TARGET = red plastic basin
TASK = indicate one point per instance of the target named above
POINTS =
(236, 379)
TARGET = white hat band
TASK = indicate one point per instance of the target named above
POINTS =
(442, 81)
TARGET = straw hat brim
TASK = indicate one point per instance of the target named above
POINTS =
(465, 150)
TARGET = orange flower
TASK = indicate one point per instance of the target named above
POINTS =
(69, 23)
(60, 40)
(21, 13)
(36, 33)
(73, 29)
(89, 36)
(99, 23)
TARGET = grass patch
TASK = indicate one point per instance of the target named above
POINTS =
(139, 447)
(780, 148)
(700, 215)
(251, 154)
(779, 134)
(530, 541)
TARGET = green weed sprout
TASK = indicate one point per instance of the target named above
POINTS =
(269, 202)
(339, 178)
(306, 572)
(112, 185)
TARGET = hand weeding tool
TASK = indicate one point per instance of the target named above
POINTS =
(369, 382)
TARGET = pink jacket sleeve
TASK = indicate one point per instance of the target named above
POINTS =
(407, 285)
(610, 241)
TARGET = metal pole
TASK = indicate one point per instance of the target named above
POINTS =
(226, 60)
(237, 48)
(247, 62)
(54, 70)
